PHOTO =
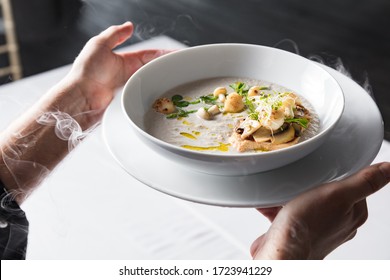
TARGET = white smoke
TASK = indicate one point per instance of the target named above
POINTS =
(335, 63)
(65, 127)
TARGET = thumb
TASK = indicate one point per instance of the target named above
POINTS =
(116, 34)
(256, 245)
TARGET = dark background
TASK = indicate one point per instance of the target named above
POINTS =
(352, 34)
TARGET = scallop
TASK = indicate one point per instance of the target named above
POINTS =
(234, 103)
(164, 105)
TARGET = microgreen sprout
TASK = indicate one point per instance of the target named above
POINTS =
(180, 114)
(301, 121)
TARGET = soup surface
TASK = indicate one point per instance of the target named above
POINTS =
(231, 115)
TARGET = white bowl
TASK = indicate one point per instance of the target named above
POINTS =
(241, 60)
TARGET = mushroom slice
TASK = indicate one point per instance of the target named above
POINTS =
(219, 90)
(284, 136)
(262, 135)
(213, 110)
(249, 126)
(254, 91)
(203, 114)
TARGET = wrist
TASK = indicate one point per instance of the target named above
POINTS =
(32, 146)
(276, 250)
(295, 242)
(75, 98)
(285, 241)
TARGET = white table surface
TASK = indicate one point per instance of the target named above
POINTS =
(90, 208)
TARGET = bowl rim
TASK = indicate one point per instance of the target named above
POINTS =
(181, 150)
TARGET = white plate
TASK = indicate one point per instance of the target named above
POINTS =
(353, 145)
(315, 85)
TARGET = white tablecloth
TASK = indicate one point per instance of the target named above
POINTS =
(90, 208)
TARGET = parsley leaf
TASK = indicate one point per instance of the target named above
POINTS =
(301, 121)
(208, 99)
(180, 114)
(240, 87)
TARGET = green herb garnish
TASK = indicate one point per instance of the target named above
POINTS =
(180, 114)
(208, 99)
(179, 102)
(240, 87)
(176, 98)
(264, 88)
(276, 105)
(254, 116)
(301, 121)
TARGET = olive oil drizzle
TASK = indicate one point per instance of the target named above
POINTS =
(221, 147)
(188, 135)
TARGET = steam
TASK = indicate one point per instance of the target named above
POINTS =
(367, 86)
(340, 67)
(181, 26)
(288, 43)
(29, 173)
(19, 169)
(23, 172)
(153, 27)
(335, 63)
(147, 23)
(65, 127)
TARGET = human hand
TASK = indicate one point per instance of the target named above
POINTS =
(98, 70)
(40, 138)
(318, 221)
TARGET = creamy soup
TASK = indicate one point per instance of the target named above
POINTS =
(231, 115)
